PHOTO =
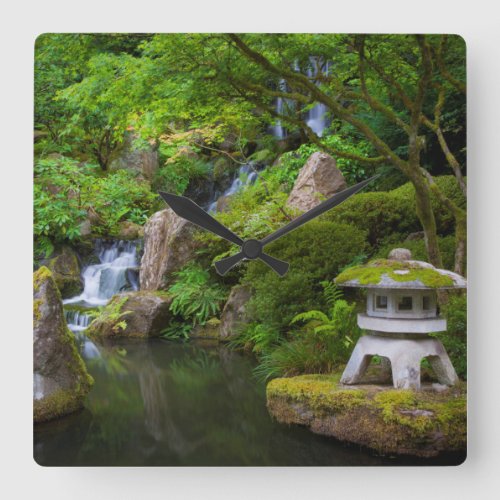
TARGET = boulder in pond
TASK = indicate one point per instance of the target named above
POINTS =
(60, 378)
(319, 178)
(132, 314)
(65, 270)
(233, 314)
(168, 246)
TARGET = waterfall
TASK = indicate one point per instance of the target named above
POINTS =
(316, 118)
(246, 175)
(115, 272)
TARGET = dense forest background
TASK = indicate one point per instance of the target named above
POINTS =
(210, 103)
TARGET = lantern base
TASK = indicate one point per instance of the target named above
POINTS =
(405, 356)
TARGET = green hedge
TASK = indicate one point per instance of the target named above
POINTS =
(382, 214)
(316, 252)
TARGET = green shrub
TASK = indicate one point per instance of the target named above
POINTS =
(175, 176)
(315, 252)
(384, 213)
(196, 297)
(455, 338)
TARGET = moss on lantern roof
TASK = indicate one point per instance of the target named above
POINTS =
(390, 273)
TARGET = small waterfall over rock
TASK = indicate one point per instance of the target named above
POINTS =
(246, 175)
(317, 116)
(116, 271)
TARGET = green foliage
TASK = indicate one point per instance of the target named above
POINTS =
(323, 342)
(315, 252)
(455, 338)
(175, 176)
(177, 330)
(196, 297)
(384, 213)
(111, 314)
(65, 191)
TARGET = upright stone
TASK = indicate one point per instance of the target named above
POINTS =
(168, 246)
(60, 378)
(234, 312)
(319, 178)
(66, 272)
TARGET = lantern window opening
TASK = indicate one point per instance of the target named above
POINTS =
(426, 303)
(405, 303)
(381, 302)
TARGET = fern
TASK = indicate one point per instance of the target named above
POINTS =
(196, 297)
(331, 292)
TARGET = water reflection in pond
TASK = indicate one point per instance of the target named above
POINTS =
(160, 403)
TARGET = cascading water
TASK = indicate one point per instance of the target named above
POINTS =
(316, 117)
(115, 272)
(246, 176)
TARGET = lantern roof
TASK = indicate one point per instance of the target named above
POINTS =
(399, 271)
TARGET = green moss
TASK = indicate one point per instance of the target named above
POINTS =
(36, 309)
(318, 391)
(39, 276)
(372, 273)
(385, 419)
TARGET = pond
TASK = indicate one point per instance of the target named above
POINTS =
(158, 403)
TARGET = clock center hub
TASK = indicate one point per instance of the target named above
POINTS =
(252, 249)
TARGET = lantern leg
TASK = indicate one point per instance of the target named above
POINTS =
(357, 365)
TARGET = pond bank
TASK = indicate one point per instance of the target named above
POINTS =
(423, 423)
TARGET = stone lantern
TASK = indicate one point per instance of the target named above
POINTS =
(401, 312)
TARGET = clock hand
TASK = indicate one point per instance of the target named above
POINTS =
(189, 210)
(250, 249)
(224, 265)
(323, 207)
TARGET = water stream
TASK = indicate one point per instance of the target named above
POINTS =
(245, 176)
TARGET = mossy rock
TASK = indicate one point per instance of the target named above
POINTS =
(65, 270)
(418, 423)
(60, 378)
(132, 314)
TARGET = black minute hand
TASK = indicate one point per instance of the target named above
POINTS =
(323, 207)
(250, 249)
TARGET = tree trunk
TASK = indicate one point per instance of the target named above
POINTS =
(425, 214)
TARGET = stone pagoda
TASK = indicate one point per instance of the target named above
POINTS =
(401, 312)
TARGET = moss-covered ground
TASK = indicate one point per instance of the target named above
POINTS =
(390, 421)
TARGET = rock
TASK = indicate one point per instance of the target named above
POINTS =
(400, 254)
(233, 313)
(142, 159)
(133, 314)
(66, 272)
(60, 378)
(222, 203)
(318, 178)
(130, 231)
(419, 235)
(210, 330)
(403, 422)
(85, 228)
(168, 246)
